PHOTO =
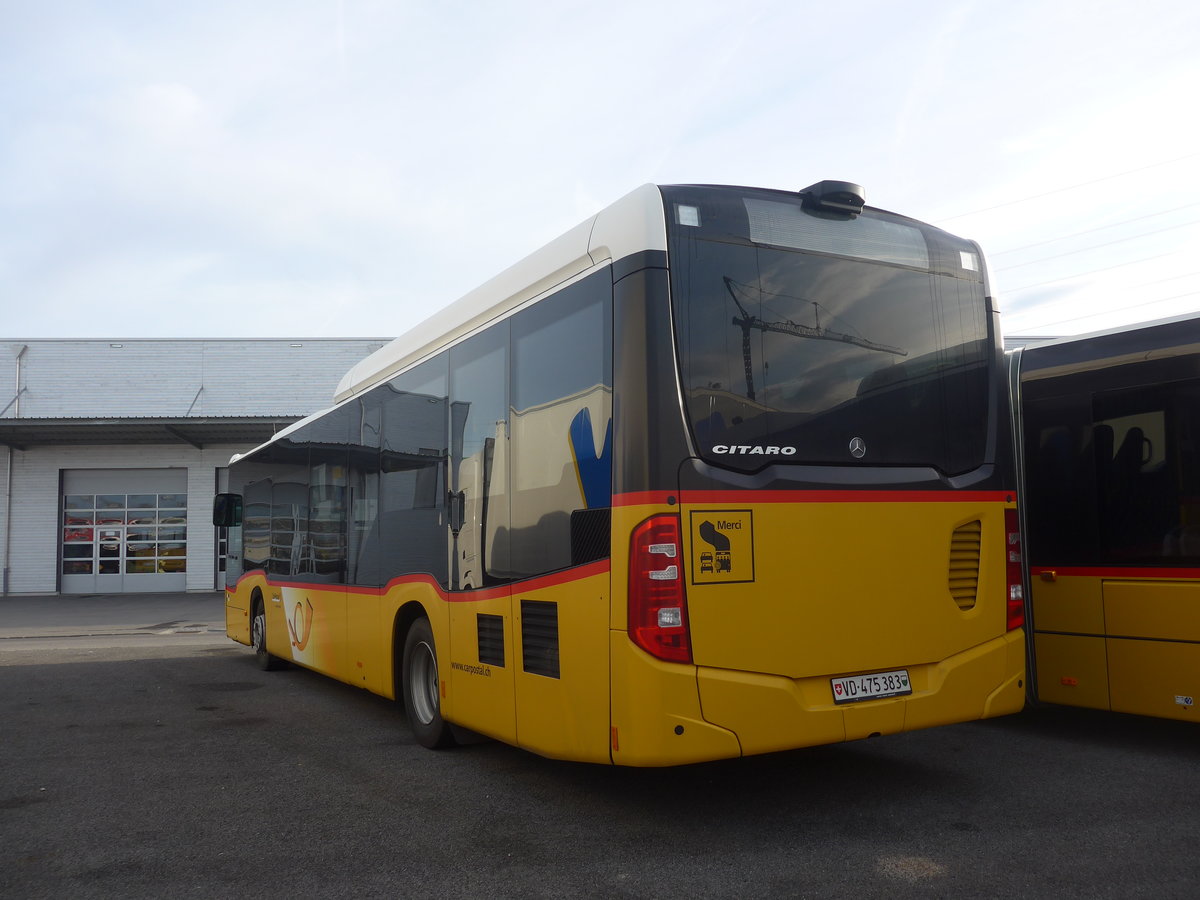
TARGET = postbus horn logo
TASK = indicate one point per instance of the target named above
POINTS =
(300, 624)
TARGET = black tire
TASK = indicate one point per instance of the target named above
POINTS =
(422, 697)
(258, 640)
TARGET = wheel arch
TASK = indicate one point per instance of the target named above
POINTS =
(405, 616)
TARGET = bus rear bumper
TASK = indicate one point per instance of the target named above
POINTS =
(656, 718)
(770, 713)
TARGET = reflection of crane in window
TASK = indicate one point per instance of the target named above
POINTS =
(816, 331)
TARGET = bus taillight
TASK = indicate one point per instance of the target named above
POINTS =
(657, 604)
(1016, 589)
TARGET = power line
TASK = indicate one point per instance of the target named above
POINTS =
(1094, 315)
(1064, 237)
(1070, 187)
(1096, 246)
(1133, 262)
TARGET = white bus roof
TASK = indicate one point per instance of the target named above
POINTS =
(632, 224)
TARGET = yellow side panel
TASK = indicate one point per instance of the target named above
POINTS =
(1070, 604)
(656, 718)
(1072, 670)
(1155, 678)
(1168, 610)
(237, 616)
(364, 665)
(483, 692)
(311, 621)
(567, 717)
(279, 642)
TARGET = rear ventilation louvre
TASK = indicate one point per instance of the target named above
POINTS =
(964, 564)
(490, 633)
(539, 637)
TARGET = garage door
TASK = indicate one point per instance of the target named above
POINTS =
(123, 530)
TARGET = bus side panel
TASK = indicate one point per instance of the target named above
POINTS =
(365, 666)
(1163, 610)
(563, 716)
(1159, 676)
(1155, 678)
(1072, 669)
(1071, 605)
(237, 612)
(307, 625)
(481, 674)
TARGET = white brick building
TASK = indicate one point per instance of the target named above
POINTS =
(111, 451)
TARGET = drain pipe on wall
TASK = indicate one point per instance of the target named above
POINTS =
(8, 474)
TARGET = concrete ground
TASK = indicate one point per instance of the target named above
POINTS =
(93, 615)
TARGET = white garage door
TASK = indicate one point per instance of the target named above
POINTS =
(123, 530)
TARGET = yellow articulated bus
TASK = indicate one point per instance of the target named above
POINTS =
(721, 471)
(1109, 427)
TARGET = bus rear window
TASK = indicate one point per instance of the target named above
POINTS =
(829, 341)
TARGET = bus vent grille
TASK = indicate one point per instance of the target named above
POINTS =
(491, 639)
(964, 564)
(539, 637)
(590, 535)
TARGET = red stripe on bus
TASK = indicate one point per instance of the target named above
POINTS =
(1123, 572)
(600, 567)
(664, 498)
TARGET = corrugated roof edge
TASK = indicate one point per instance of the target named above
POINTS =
(1091, 335)
(631, 224)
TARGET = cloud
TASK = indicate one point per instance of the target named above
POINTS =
(354, 166)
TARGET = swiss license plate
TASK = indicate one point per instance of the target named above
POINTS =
(874, 686)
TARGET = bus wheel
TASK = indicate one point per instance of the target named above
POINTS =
(258, 640)
(422, 697)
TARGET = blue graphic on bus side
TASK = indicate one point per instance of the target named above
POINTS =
(595, 470)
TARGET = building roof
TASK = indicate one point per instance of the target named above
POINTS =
(199, 432)
(196, 392)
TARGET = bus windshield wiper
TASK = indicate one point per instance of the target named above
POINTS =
(746, 322)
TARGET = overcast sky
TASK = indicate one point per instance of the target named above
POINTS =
(302, 168)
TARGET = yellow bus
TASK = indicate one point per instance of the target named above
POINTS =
(721, 471)
(1109, 426)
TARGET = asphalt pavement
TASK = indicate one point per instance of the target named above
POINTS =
(99, 615)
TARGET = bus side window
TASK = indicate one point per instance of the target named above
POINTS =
(561, 444)
(412, 480)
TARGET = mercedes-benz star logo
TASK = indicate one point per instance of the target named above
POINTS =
(858, 448)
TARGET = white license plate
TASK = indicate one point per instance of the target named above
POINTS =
(874, 686)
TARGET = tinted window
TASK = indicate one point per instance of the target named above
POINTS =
(277, 522)
(561, 429)
(411, 524)
(479, 459)
(1109, 474)
(362, 533)
(874, 329)
(1060, 475)
(328, 495)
